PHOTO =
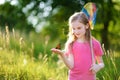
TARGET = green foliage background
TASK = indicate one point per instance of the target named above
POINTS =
(25, 54)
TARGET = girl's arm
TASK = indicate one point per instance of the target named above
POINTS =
(100, 61)
(69, 62)
(96, 67)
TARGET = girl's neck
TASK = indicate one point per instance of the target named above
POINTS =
(81, 40)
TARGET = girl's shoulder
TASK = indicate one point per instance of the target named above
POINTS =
(95, 41)
(97, 47)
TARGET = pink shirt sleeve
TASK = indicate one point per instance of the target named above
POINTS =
(97, 48)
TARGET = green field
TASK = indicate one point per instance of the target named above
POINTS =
(29, 58)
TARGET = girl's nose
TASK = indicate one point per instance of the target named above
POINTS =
(76, 31)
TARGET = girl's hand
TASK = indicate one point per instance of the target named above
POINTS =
(57, 51)
(96, 67)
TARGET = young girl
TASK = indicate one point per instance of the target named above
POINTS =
(77, 56)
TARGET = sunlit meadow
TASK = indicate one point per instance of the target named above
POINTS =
(29, 58)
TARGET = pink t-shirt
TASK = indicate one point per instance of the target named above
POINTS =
(83, 60)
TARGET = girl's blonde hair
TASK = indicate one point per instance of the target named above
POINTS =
(82, 18)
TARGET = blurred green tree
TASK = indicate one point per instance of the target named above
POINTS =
(107, 13)
(12, 16)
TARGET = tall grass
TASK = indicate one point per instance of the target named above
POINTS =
(111, 70)
(30, 58)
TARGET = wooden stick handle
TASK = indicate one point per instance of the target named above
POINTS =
(91, 47)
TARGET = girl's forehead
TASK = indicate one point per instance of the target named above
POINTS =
(76, 23)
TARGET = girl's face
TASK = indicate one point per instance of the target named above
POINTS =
(78, 29)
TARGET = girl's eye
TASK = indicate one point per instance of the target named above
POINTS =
(79, 28)
(73, 28)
